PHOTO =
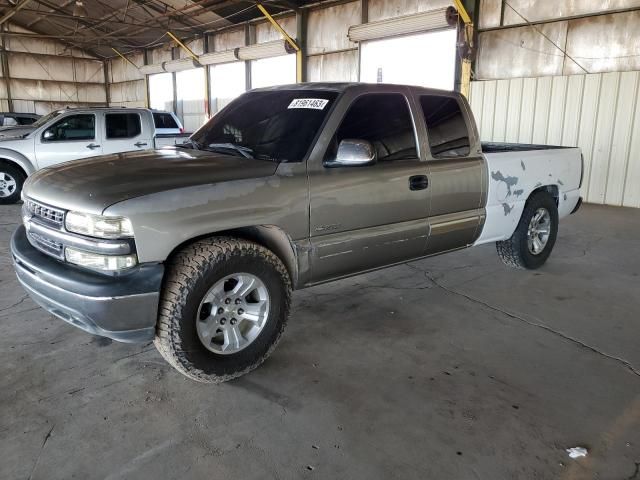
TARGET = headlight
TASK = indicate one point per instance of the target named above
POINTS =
(98, 225)
(106, 263)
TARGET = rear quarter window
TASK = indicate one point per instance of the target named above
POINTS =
(164, 120)
(446, 126)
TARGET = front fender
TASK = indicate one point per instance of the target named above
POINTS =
(19, 159)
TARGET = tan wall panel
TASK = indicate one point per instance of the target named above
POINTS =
(265, 32)
(333, 67)
(609, 43)
(228, 39)
(65, 93)
(133, 91)
(327, 27)
(521, 52)
(381, 9)
(62, 69)
(122, 71)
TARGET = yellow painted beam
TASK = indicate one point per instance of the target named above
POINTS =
(277, 26)
(462, 11)
(124, 58)
(183, 46)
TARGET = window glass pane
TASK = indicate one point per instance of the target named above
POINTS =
(74, 127)
(267, 72)
(25, 120)
(446, 128)
(164, 120)
(9, 121)
(191, 98)
(268, 125)
(123, 125)
(161, 91)
(228, 81)
(382, 119)
(385, 61)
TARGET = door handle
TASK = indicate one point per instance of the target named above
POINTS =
(418, 182)
(140, 144)
(92, 146)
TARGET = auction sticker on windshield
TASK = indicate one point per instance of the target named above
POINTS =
(312, 103)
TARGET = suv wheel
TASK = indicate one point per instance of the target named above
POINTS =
(223, 308)
(11, 180)
(534, 238)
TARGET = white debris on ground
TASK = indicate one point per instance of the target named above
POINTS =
(577, 452)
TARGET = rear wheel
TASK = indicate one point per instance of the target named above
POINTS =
(224, 306)
(534, 238)
(11, 181)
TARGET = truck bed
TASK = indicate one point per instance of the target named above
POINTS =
(498, 147)
(514, 171)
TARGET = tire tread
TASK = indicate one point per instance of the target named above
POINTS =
(184, 269)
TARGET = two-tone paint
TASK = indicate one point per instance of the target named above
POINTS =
(324, 222)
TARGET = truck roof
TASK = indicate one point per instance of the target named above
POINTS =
(343, 86)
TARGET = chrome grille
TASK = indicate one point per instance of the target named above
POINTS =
(44, 212)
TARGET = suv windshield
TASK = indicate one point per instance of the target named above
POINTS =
(277, 125)
(49, 116)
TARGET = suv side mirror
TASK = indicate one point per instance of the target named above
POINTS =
(353, 153)
(47, 135)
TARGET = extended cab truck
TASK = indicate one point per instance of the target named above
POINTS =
(199, 247)
(76, 133)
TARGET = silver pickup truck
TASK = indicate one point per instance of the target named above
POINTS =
(74, 133)
(199, 247)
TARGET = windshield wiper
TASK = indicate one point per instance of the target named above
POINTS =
(246, 152)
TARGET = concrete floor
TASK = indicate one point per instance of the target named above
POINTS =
(454, 367)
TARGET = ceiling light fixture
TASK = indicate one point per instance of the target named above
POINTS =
(79, 10)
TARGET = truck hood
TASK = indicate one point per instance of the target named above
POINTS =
(91, 185)
(15, 131)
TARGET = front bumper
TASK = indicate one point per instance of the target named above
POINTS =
(123, 307)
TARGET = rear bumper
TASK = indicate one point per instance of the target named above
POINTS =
(123, 307)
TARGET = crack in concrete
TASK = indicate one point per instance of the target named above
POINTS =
(44, 442)
(636, 472)
(22, 299)
(560, 334)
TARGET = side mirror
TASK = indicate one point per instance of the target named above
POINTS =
(47, 135)
(353, 153)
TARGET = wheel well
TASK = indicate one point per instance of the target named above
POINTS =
(269, 236)
(550, 189)
(5, 161)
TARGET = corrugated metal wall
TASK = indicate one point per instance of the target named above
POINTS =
(600, 113)
(45, 75)
(126, 83)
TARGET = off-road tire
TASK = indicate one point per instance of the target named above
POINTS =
(19, 177)
(514, 252)
(189, 275)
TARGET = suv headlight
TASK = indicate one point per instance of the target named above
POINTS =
(98, 225)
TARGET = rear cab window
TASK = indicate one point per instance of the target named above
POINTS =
(164, 120)
(122, 125)
(446, 126)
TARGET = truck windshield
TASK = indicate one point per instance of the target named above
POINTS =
(277, 125)
(49, 116)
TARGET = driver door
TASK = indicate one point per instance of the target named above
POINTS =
(71, 137)
(365, 217)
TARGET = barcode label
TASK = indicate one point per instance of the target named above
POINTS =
(312, 103)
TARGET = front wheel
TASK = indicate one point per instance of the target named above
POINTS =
(11, 181)
(534, 238)
(223, 308)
